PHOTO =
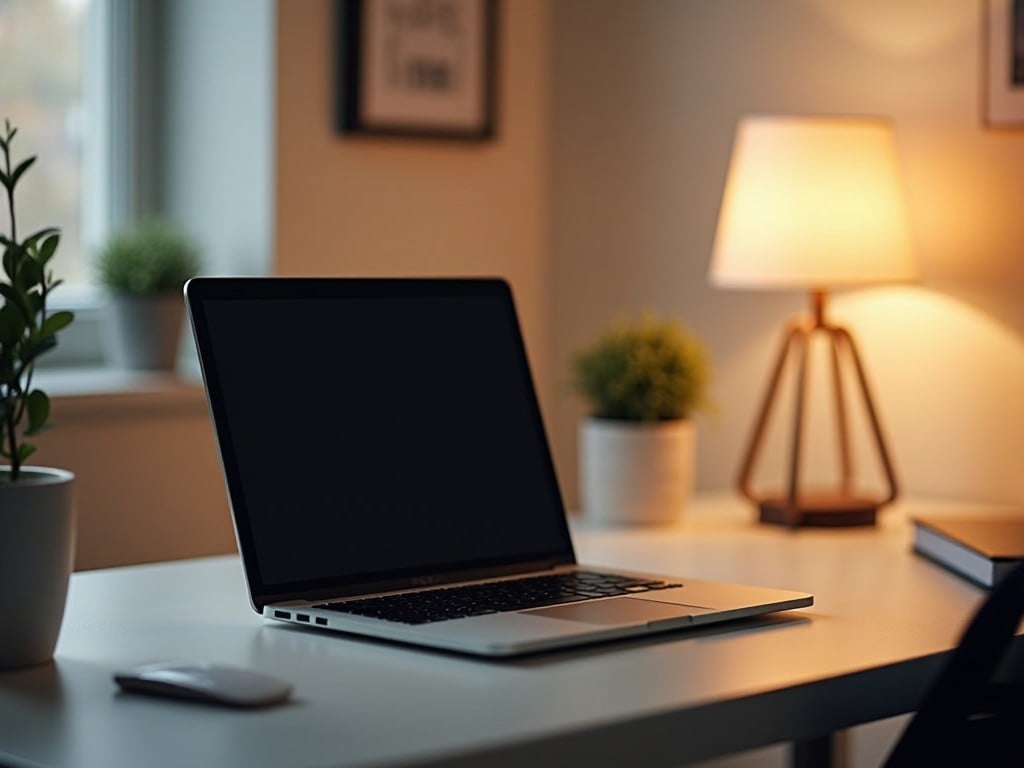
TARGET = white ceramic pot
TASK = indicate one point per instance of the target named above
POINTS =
(635, 473)
(37, 543)
(143, 332)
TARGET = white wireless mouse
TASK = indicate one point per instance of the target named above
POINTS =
(215, 683)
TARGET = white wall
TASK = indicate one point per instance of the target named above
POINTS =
(646, 96)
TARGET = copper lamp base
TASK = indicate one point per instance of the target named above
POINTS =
(796, 505)
(826, 510)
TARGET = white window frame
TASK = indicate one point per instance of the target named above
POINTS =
(118, 183)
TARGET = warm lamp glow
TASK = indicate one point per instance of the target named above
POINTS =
(812, 202)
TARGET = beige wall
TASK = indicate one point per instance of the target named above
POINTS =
(372, 206)
(646, 95)
(148, 484)
(599, 196)
(640, 100)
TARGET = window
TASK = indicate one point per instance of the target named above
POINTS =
(140, 107)
(41, 92)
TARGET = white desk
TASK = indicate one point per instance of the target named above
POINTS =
(883, 619)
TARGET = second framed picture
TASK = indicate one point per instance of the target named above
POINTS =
(1003, 64)
(421, 68)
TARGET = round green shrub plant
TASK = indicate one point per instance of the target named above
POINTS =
(152, 258)
(644, 370)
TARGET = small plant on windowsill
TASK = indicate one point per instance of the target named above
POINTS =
(36, 513)
(644, 380)
(144, 269)
(153, 258)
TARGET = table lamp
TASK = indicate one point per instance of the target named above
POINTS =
(814, 203)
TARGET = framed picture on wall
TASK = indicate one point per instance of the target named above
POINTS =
(1003, 62)
(419, 68)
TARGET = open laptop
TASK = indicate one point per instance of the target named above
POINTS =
(389, 474)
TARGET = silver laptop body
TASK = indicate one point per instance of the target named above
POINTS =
(384, 453)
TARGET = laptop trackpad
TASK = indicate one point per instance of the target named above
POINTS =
(617, 611)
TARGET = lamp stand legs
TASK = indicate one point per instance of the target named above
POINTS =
(795, 505)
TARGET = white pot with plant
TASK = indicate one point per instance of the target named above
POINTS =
(37, 521)
(143, 269)
(643, 381)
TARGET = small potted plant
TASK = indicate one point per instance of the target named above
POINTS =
(643, 380)
(143, 269)
(37, 525)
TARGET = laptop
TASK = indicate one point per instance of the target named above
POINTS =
(389, 475)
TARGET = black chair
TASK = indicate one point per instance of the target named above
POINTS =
(969, 716)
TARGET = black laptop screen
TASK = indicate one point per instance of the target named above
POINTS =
(374, 429)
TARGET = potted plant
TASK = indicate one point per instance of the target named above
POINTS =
(643, 381)
(144, 269)
(37, 522)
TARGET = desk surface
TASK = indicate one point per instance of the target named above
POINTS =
(882, 621)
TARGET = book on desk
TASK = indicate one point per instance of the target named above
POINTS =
(982, 550)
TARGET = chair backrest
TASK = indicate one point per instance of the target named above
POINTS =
(968, 717)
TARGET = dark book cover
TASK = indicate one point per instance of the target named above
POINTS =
(981, 549)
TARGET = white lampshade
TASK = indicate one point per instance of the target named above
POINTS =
(812, 202)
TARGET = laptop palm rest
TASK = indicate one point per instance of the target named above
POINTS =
(621, 611)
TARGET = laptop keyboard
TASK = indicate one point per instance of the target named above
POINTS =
(496, 597)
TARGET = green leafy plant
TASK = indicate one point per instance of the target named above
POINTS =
(152, 258)
(646, 370)
(26, 330)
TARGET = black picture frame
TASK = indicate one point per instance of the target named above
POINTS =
(1003, 63)
(416, 68)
